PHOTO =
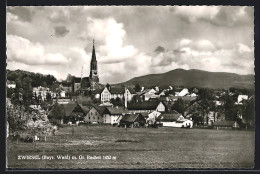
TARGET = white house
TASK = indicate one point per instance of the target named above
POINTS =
(41, 91)
(241, 97)
(184, 92)
(174, 119)
(11, 84)
(116, 114)
(113, 93)
(62, 94)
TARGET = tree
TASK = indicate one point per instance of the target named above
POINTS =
(230, 110)
(27, 83)
(178, 106)
(249, 112)
(137, 87)
(18, 83)
(205, 103)
(117, 101)
(44, 84)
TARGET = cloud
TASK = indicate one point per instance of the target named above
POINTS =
(211, 38)
(193, 13)
(22, 50)
(23, 13)
(61, 31)
(159, 49)
(111, 35)
(59, 15)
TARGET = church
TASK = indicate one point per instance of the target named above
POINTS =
(90, 83)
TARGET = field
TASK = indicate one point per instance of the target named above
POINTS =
(135, 148)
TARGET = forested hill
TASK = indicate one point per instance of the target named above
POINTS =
(195, 78)
(27, 80)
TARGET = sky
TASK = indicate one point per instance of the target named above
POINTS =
(130, 41)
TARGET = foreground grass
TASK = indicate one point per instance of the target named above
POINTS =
(138, 148)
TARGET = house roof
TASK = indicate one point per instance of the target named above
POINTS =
(101, 109)
(170, 116)
(117, 90)
(184, 98)
(85, 109)
(129, 118)
(224, 123)
(68, 108)
(116, 110)
(146, 105)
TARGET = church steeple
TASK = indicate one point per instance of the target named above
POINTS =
(93, 76)
(93, 53)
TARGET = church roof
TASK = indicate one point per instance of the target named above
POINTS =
(93, 54)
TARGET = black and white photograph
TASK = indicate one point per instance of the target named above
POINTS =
(130, 87)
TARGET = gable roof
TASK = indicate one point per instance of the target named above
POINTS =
(68, 108)
(85, 109)
(130, 117)
(116, 110)
(117, 90)
(146, 105)
(170, 116)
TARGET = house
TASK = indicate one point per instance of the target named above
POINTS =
(132, 120)
(76, 84)
(147, 106)
(112, 93)
(92, 114)
(174, 119)
(168, 118)
(240, 98)
(116, 114)
(61, 100)
(148, 93)
(62, 94)
(10, 84)
(225, 125)
(65, 113)
(183, 92)
(41, 92)
(105, 114)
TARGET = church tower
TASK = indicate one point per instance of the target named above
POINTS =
(93, 76)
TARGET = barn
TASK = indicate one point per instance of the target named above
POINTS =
(133, 120)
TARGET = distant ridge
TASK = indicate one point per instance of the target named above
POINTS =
(195, 78)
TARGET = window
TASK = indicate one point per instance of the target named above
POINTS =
(98, 118)
(89, 117)
(94, 118)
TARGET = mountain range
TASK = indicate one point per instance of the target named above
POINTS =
(195, 78)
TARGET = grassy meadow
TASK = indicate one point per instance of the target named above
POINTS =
(102, 147)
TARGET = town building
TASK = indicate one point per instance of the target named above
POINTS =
(116, 114)
(183, 92)
(41, 92)
(112, 93)
(10, 84)
(147, 106)
(132, 120)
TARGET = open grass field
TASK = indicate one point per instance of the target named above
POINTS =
(135, 148)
